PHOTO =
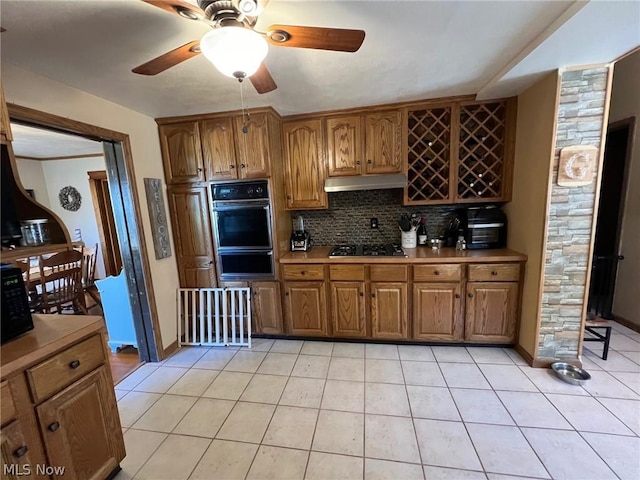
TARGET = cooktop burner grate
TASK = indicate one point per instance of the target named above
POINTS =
(386, 250)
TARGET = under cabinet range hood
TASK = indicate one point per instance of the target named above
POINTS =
(365, 182)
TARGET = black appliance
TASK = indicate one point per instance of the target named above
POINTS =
(242, 230)
(300, 238)
(482, 227)
(387, 250)
(16, 316)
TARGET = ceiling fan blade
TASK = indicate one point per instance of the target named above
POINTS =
(184, 9)
(336, 39)
(262, 80)
(169, 59)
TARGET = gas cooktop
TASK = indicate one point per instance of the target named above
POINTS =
(387, 250)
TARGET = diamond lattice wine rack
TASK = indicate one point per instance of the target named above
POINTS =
(429, 163)
(481, 156)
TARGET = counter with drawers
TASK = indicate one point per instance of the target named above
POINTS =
(59, 413)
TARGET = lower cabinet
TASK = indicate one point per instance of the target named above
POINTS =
(437, 312)
(348, 309)
(79, 428)
(305, 308)
(18, 460)
(491, 312)
(389, 310)
(267, 307)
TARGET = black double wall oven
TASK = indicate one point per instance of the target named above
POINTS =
(242, 230)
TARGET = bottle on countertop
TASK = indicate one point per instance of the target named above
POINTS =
(461, 244)
(422, 232)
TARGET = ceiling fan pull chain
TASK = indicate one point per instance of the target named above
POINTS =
(245, 113)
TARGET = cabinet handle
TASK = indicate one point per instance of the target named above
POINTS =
(369, 161)
(288, 197)
(457, 295)
(357, 162)
(199, 169)
(437, 272)
(494, 273)
(20, 451)
(361, 294)
(373, 295)
(54, 426)
(211, 262)
(302, 272)
(471, 295)
(286, 294)
(74, 364)
(231, 167)
(242, 165)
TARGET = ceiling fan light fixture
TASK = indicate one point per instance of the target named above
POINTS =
(234, 51)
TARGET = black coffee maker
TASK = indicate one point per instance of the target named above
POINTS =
(300, 238)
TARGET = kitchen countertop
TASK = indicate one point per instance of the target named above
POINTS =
(414, 255)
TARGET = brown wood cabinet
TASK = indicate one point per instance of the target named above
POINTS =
(192, 236)
(383, 141)
(267, 307)
(344, 145)
(437, 312)
(389, 310)
(182, 152)
(63, 409)
(305, 308)
(348, 309)
(5, 125)
(218, 148)
(491, 312)
(304, 164)
(253, 146)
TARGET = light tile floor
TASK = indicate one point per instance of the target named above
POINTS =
(319, 410)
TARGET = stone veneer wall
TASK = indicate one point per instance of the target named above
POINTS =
(347, 219)
(580, 118)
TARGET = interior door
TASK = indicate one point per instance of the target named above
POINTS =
(109, 246)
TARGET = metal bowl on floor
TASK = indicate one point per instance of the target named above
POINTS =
(570, 374)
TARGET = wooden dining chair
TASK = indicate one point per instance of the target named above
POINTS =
(89, 272)
(61, 282)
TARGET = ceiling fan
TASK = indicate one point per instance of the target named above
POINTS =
(235, 48)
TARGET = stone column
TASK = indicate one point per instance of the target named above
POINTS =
(581, 119)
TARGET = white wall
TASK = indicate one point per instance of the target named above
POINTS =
(30, 90)
(625, 103)
(32, 177)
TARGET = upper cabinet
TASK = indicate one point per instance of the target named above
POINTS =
(460, 152)
(216, 148)
(181, 151)
(304, 164)
(367, 143)
(5, 126)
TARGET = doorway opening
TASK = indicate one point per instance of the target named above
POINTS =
(613, 189)
(127, 221)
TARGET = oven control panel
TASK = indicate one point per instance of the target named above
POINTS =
(240, 191)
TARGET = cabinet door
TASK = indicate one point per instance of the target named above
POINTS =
(5, 125)
(218, 149)
(436, 312)
(344, 145)
(389, 310)
(267, 307)
(181, 152)
(17, 459)
(383, 142)
(491, 312)
(348, 314)
(304, 165)
(81, 428)
(305, 310)
(253, 146)
(192, 236)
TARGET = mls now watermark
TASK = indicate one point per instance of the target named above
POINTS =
(27, 469)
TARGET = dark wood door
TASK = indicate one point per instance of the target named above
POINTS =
(304, 164)
(383, 142)
(107, 230)
(253, 146)
(389, 310)
(80, 428)
(267, 307)
(305, 308)
(436, 312)
(192, 236)
(182, 153)
(348, 310)
(491, 313)
(218, 149)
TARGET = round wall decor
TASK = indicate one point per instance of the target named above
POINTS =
(70, 198)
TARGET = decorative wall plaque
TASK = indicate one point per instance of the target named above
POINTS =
(576, 165)
(158, 216)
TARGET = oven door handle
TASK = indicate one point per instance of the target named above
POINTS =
(239, 205)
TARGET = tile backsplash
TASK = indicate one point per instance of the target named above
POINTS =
(349, 213)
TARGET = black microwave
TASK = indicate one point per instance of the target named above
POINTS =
(16, 316)
(485, 227)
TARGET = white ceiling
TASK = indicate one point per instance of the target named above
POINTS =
(412, 50)
(38, 143)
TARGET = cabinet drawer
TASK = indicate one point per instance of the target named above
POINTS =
(389, 273)
(437, 273)
(303, 272)
(346, 272)
(65, 368)
(7, 408)
(505, 272)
